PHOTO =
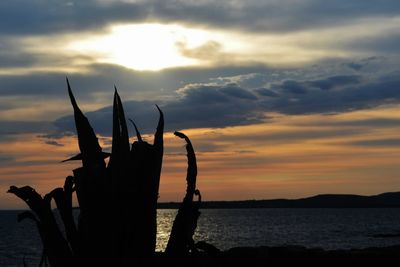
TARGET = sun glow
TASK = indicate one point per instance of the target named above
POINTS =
(143, 46)
(158, 46)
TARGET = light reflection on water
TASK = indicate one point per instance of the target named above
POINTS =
(165, 219)
(226, 228)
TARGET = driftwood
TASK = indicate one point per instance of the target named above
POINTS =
(117, 222)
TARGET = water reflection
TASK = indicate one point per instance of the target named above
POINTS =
(226, 228)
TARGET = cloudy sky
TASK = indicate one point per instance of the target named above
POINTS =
(282, 98)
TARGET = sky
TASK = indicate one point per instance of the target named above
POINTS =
(281, 98)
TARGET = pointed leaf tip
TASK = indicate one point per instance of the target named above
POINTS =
(139, 137)
(158, 137)
(71, 96)
(161, 119)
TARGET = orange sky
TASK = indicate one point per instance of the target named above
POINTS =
(289, 157)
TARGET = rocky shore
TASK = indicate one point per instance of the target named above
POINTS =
(288, 256)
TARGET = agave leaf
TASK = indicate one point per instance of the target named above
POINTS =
(158, 137)
(192, 166)
(120, 139)
(92, 156)
(79, 157)
(122, 123)
(139, 137)
(181, 239)
(30, 196)
(63, 199)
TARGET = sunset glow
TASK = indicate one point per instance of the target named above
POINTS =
(280, 100)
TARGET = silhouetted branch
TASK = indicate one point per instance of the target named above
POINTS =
(181, 239)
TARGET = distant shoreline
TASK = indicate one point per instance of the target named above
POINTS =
(384, 200)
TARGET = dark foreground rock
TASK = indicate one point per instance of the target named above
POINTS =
(287, 256)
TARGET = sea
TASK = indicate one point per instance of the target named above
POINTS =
(226, 228)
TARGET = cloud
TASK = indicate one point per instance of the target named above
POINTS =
(46, 16)
(20, 127)
(266, 92)
(377, 143)
(386, 43)
(234, 90)
(198, 105)
(335, 81)
(53, 143)
(98, 78)
(375, 122)
(206, 51)
(6, 159)
(206, 97)
(213, 106)
(299, 135)
(201, 105)
(291, 87)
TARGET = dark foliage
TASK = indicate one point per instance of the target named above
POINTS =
(117, 223)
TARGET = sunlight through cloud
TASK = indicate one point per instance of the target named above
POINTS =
(143, 46)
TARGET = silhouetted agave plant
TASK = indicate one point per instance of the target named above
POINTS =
(118, 202)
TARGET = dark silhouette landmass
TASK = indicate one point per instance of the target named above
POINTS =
(384, 200)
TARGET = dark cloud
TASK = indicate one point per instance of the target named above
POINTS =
(198, 105)
(266, 92)
(302, 87)
(6, 159)
(210, 105)
(253, 80)
(350, 98)
(129, 82)
(213, 106)
(46, 16)
(375, 122)
(56, 135)
(12, 59)
(235, 91)
(377, 143)
(144, 113)
(354, 65)
(53, 143)
(381, 44)
(380, 122)
(19, 127)
(208, 97)
(335, 81)
(291, 87)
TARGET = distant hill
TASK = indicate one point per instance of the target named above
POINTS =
(385, 200)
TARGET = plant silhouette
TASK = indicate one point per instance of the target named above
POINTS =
(117, 222)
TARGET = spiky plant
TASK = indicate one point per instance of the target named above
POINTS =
(117, 222)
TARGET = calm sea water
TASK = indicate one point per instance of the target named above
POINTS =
(226, 228)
